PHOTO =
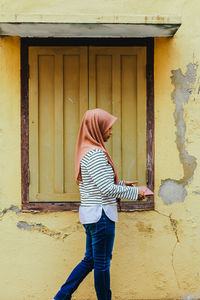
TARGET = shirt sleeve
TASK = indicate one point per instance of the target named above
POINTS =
(121, 182)
(97, 168)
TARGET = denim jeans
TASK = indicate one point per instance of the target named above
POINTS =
(99, 245)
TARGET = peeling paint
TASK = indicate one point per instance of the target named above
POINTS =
(172, 190)
(16, 210)
(24, 225)
(43, 229)
(196, 192)
(11, 208)
(38, 226)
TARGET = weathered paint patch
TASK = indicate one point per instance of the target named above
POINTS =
(42, 228)
(11, 208)
(39, 227)
(197, 192)
(174, 190)
(16, 209)
(142, 227)
(24, 225)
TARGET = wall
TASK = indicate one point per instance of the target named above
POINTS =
(156, 254)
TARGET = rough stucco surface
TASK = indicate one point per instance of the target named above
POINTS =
(174, 190)
(156, 254)
(62, 236)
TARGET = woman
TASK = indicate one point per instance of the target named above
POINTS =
(99, 188)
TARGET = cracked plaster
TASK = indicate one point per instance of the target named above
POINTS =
(172, 190)
(39, 227)
(43, 229)
(141, 227)
(174, 225)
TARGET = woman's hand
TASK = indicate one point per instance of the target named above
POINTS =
(141, 195)
(130, 183)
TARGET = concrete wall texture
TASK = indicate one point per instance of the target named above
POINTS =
(156, 254)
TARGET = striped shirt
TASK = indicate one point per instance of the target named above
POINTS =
(97, 187)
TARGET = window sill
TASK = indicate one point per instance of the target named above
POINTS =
(126, 206)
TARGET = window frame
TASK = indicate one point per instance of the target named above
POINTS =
(25, 173)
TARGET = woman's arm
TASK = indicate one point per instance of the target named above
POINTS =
(98, 167)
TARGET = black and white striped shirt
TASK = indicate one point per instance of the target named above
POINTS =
(97, 186)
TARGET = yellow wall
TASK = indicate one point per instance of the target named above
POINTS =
(156, 254)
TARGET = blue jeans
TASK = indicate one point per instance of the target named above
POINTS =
(99, 245)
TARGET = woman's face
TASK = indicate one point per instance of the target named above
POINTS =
(107, 134)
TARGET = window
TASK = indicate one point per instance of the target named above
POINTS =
(59, 83)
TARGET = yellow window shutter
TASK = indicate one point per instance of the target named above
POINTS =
(58, 93)
(117, 83)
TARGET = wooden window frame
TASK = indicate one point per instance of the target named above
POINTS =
(73, 206)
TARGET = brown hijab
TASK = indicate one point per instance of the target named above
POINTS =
(94, 124)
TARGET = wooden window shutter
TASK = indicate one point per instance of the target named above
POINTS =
(117, 83)
(58, 98)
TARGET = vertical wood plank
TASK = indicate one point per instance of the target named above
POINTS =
(71, 116)
(83, 82)
(129, 116)
(33, 122)
(46, 121)
(59, 178)
(100, 82)
(25, 176)
(92, 78)
(116, 110)
(103, 85)
(150, 113)
(141, 116)
(104, 82)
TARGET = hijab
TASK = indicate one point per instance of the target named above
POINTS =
(94, 124)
